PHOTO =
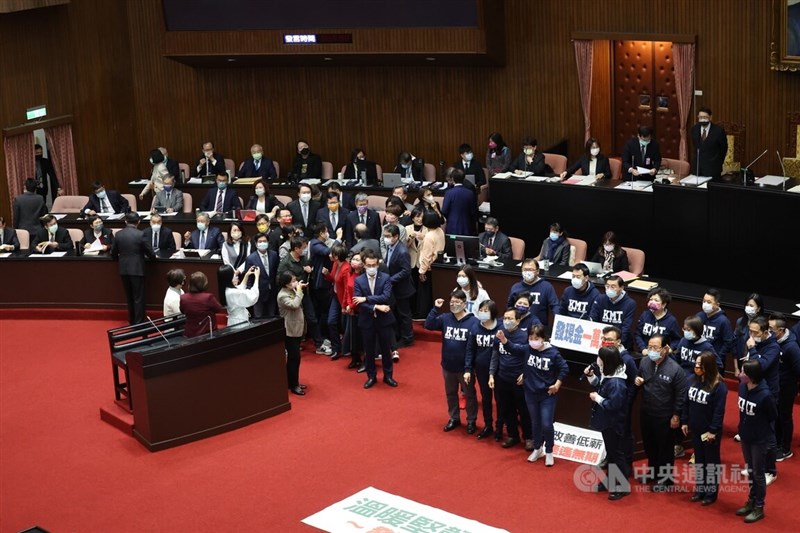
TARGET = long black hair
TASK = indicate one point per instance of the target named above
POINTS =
(225, 281)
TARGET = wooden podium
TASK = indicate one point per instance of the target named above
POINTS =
(205, 386)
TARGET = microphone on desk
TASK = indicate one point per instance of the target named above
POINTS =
(746, 170)
(159, 331)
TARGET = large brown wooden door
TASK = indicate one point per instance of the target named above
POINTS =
(644, 94)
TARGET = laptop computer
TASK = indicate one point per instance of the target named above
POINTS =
(392, 180)
(595, 269)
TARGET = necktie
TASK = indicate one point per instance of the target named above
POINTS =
(371, 284)
(168, 199)
(333, 221)
(644, 149)
(363, 219)
(106, 207)
(218, 207)
(1, 237)
(705, 134)
(305, 213)
(155, 240)
(258, 165)
(491, 242)
(389, 251)
(202, 240)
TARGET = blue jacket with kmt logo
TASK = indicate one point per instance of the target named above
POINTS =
(454, 337)
(757, 410)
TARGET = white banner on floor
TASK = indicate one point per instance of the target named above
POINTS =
(373, 510)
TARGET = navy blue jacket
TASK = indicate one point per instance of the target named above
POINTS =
(265, 169)
(504, 364)
(687, 351)
(367, 316)
(613, 410)
(480, 345)
(618, 314)
(631, 370)
(664, 388)
(266, 280)
(460, 208)
(717, 329)
(455, 335)
(757, 411)
(542, 368)
(789, 369)
(649, 325)
(741, 333)
(229, 202)
(118, 202)
(578, 304)
(543, 297)
(320, 258)
(768, 353)
(214, 239)
(704, 410)
(400, 271)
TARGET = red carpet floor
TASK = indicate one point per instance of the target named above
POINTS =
(64, 469)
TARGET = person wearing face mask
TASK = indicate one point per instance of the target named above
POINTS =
(172, 299)
(399, 209)
(257, 166)
(351, 342)
(266, 261)
(236, 248)
(455, 327)
(362, 215)
(97, 232)
(51, 237)
(610, 254)
(716, 325)
(398, 265)
(346, 200)
(530, 159)
(276, 229)
(657, 319)
(469, 167)
(337, 277)
(480, 345)
(616, 308)
(428, 202)
(360, 167)
(663, 383)
(692, 345)
(205, 237)
(556, 247)
(400, 192)
(288, 233)
(788, 375)
(591, 163)
(306, 164)
(409, 166)
(46, 180)
(468, 282)
(290, 305)
(210, 163)
(157, 174)
(391, 217)
(641, 152)
(710, 145)
(333, 215)
(321, 286)
(544, 372)
(543, 296)
(494, 243)
(159, 238)
(612, 339)
(523, 305)
(262, 201)
(130, 251)
(221, 198)
(235, 294)
(609, 416)
(703, 415)
(168, 199)
(498, 155)
(753, 307)
(105, 201)
(304, 209)
(460, 207)
(577, 299)
(27, 208)
(9, 242)
(505, 378)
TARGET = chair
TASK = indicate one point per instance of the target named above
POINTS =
(680, 168)
(376, 202)
(277, 168)
(791, 160)
(75, 234)
(736, 135)
(282, 198)
(230, 166)
(327, 170)
(557, 162)
(429, 172)
(635, 260)
(187, 202)
(69, 204)
(616, 167)
(579, 253)
(178, 240)
(382, 214)
(185, 173)
(517, 248)
(131, 200)
(24, 239)
(483, 194)
(379, 172)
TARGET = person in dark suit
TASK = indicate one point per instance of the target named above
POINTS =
(398, 263)
(159, 238)
(130, 250)
(205, 237)
(306, 164)
(364, 242)
(9, 242)
(169, 199)
(591, 163)
(362, 215)
(46, 180)
(172, 165)
(51, 237)
(470, 167)
(373, 295)
(460, 207)
(257, 166)
(200, 307)
(28, 208)
(710, 145)
(610, 254)
(333, 216)
(346, 200)
(495, 243)
(358, 164)
(262, 201)
(409, 166)
(267, 262)
(641, 151)
(221, 199)
(210, 163)
(105, 201)
(304, 209)
(530, 160)
(97, 232)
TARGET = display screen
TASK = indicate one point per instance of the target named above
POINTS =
(233, 15)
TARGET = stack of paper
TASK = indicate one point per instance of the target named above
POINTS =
(640, 185)
(796, 188)
(485, 207)
(771, 180)
(537, 178)
(643, 285)
(691, 179)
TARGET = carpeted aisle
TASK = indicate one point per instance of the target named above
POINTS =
(63, 468)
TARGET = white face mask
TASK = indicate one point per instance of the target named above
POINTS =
(483, 316)
(595, 151)
(528, 276)
(462, 281)
(372, 271)
(750, 311)
(305, 197)
(577, 283)
(708, 308)
(608, 247)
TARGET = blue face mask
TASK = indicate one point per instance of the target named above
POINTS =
(554, 236)
(644, 143)
(653, 355)
(221, 185)
(688, 335)
(611, 293)
(201, 226)
(405, 165)
(522, 309)
(101, 195)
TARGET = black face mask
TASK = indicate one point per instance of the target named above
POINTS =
(38, 157)
(305, 151)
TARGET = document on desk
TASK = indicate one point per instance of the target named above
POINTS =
(5, 254)
(96, 246)
(771, 180)
(565, 275)
(691, 179)
(139, 182)
(640, 185)
(111, 216)
(59, 216)
(169, 214)
(195, 181)
(52, 254)
(502, 175)
(796, 188)
(537, 178)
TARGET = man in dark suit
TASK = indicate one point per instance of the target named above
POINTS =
(306, 164)
(46, 179)
(641, 152)
(210, 163)
(159, 239)
(398, 263)
(333, 214)
(711, 142)
(470, 167)
(346, 200)
(28, 208)
(221, 199)
(362, 215)
(205, 237)
(495, 243)
(51, 237)
(103, 201)
(373, 295)
(409, 166)
(130, 250)
(97, 232)
(460, 207)
(304, 210)
(169, 199)
(257, 166)
(267, 262)
(172, 165)
(8, 237)
(364, 242)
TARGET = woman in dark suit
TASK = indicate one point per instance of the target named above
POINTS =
(555, 247)
(591, 163)
(530, 160)
(200, 307)
(262, 201)
(610, 254)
